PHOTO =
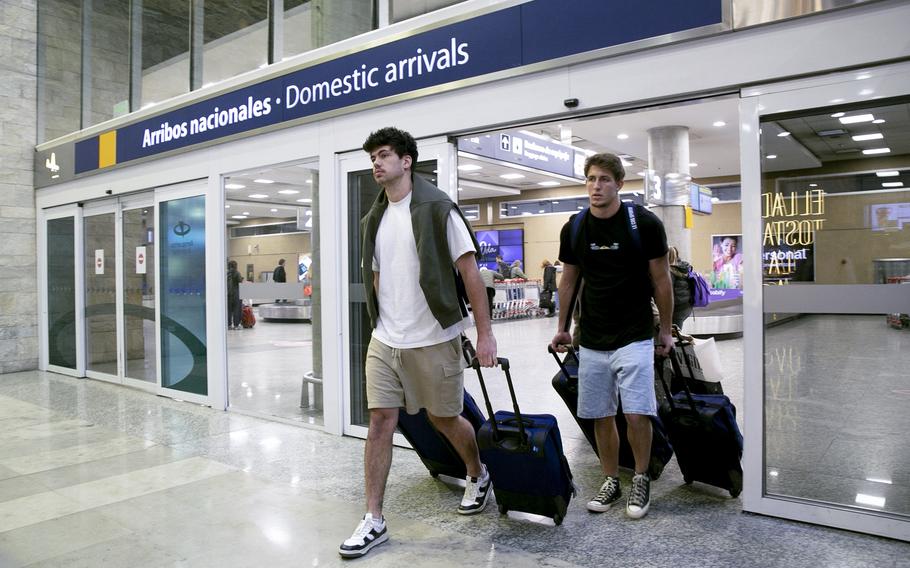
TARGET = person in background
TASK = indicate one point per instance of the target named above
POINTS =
(503, 267)
(280, 275)
(618, 343)
(416, 245)
(234, 304)
(515, 270)
(682, 293)
(549, 287)
(488, 277)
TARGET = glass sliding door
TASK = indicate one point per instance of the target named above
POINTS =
(182, 296)
(437, 166)
(60, 295)
(828, 344)
(138, 304)
(100, 268)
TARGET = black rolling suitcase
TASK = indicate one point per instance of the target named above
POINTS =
(704, 434)
(565, 382)
(523, 453)
(435, 451)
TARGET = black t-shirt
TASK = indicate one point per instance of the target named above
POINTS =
(616, 303)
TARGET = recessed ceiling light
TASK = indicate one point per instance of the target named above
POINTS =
(856, 118)
(227, 206)
(887, 173)
(866, 92)
(813, 185)
(872, 151)
(541, 211)
(288, 191)
(263, 180)
(257, 196)
(838, 114)
(720, 123)
(246, 212)
(234, 186)
(861, 137)
(512, 176)
(771, 156)
(555, 202)
(548, 183)
(305, 200)
(893, 184)
(622, 136)
(460, 189)
(878, 121)
(693, 164)
(783, 134)
(309, 181)
(469, 167)
(238, 216)
(273, 210)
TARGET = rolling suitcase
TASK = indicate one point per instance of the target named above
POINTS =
(523, 453)
(434, 449)
(705, 436)
(565, 382)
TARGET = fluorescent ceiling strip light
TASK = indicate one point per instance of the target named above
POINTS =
(872, 151)
(861, 137)
(856, 118)
(888, 173)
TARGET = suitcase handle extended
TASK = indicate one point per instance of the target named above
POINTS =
(678, 371)
(504, 364)
(561, 362)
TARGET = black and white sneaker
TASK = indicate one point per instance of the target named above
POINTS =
(369, 533)
(477, 492)
(609, 493)
(639, 497)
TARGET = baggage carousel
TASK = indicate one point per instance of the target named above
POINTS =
(725, 317)
(292, 310)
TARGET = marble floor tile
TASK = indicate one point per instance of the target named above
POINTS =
(82, 453)
(16, 487)
(37, 508)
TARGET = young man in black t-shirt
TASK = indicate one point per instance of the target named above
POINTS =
(621, 274)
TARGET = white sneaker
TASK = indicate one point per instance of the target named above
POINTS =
(477, 492)
(369, 533)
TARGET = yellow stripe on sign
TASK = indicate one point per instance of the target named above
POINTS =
(688, 219)
(107, 149)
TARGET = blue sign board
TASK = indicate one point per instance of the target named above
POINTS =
(513, 37)
(526, 149)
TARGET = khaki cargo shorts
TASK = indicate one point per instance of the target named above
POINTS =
(429, 377)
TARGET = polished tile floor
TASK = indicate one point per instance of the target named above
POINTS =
(92, 474)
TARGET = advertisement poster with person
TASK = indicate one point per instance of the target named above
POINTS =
(727, 266)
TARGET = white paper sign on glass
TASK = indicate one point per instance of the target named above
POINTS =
(140, 260)
(99, 261)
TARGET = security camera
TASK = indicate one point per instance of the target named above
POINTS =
(109, 191)
(570, 103)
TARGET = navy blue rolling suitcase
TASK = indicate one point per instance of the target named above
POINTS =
(523, 453)
(565, 382)
(435, 451)
(705, 436)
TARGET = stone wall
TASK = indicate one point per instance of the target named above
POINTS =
(19, 283)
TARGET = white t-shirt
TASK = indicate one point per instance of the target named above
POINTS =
(405, 320)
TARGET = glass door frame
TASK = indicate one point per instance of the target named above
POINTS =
(61, 212)
(215, 382)
(437, 148)
(105, 207)
(816, 92)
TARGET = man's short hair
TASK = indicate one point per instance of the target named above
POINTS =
(400, 141)
(281, 261)
(607, 162)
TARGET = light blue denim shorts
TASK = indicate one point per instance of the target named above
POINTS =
(627, 372)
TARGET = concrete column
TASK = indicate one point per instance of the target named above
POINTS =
(667, 185)
(18, 245)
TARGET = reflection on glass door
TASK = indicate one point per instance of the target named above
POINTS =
(138, 230)
(182, 297)
(99, 261)
(61, 292)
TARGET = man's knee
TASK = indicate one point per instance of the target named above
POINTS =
(383, 421)
(637, 421)
(444, 423)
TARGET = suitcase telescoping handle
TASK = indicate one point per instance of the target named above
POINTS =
(663, 381)
(562, 366)
(504, 364)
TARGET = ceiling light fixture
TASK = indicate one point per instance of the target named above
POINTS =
(289, 191)
(234, 186)
(309, 181)
(227, 206)
(273, 210)
(771, 156)
(783, 134)
(813, 185)
(893, 184)
(469, 167)
(548, 183)
(856, 118)
(861, 137)
(263, 180)
(719, 123)
(622, 136)
(512, 176)
(878, 121)
(246, 212)
(887, 173)
(873, 151)
(693, 164)
(257, 196)
(305, 200)
(238, 216)
(838, 114)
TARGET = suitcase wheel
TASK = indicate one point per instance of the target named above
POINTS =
(735, 492)
(503, 509)
(687, 480)
(557, 519)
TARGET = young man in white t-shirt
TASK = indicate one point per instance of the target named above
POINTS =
(416, 244)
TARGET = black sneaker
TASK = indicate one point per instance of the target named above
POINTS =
(477, 492)
(639, 497)
(368, 534)
(609, 493)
